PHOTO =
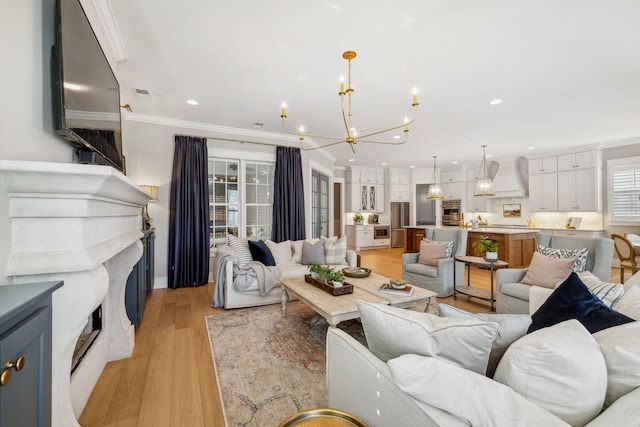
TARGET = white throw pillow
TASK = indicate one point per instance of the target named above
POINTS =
(561, 368)
(391, 332)
(474, 398)
(281, 251)
(629, 303)
(296, 251)
(241, 249)
(512, 328)
(335, 251)
(608, 292)
(620, 346)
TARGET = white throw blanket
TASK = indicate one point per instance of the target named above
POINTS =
(266, 277)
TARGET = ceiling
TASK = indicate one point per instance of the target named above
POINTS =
(568, 72)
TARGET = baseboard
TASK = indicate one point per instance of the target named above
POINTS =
(160, 282)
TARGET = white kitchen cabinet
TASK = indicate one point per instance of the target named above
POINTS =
(399, 178)
(365, 176)
(453, 184)
(474, 204)
(360, 236)
(543, 192)
(580, 160)
(543, 165)
(365, 198)
(578, 190)
(399, 193)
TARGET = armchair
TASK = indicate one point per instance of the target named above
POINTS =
(437, 279)
(513, 296)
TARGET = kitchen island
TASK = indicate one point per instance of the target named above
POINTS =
(515, 245)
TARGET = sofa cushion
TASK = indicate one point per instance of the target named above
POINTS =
(241, 249)
(579, 254)
(561, 368)
(293, 271)
(335, 251)
(516, 290)
(620, 346)
(296, 251)
(608, 292)
(260, 252)
(431, 252)
(423, 269)
(313, 253)
(511, 328)
(391, 332)
(629, 303)
(572, 300)
(474, 398)
(281, 251)
(449, 246)
(546, 271)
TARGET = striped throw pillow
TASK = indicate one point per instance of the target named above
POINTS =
(609, 293)
(241, 249)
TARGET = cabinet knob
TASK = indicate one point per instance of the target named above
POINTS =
(6, 374)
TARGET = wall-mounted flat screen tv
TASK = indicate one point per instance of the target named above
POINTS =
(86, 94)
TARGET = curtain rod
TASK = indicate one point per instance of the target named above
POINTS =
(268, 144)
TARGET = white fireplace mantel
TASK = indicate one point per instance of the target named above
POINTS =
(80, 224)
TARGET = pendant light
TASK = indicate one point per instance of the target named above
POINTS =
(435, 190)
(484, 184)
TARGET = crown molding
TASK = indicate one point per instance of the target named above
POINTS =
(111, 29)
(218, 131)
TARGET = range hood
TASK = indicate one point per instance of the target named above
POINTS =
(511, 178)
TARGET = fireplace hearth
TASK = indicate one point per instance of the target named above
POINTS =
(79, 224)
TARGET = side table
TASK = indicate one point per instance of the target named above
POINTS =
(470, 290)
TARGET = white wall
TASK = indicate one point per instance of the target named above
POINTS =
(26, 129)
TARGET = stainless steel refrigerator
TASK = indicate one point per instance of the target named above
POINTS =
(399, 220)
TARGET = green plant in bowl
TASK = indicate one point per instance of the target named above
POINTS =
(485, 244)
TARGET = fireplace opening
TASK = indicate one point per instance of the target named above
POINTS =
(87, 337)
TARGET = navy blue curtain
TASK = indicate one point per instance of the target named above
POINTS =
(189, 214)
(288, 196)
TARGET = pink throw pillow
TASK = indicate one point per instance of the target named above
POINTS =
(546, 271)
(431, 252)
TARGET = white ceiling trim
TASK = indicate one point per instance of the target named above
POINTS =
(111, 29)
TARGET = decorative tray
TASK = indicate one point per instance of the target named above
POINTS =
(345, 289)
(356, 272)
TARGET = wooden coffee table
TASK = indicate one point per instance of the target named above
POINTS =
(340, 308)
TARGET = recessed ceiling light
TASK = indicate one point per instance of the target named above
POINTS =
(192, 102)
(531, 148)
(396, 136)
(351, 160)
(384, 163)
(412, 166)
(495, 102)
(455, 162)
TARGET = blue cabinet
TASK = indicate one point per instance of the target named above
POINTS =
(25, 354)
(140, 281)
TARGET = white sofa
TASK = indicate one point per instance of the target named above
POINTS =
(252, 298)
(440, 392)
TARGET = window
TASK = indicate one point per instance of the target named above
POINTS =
(624, 190)
(259, 200)
(240, 199)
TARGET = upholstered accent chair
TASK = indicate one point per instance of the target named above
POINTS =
(513, 296)
(438, 278)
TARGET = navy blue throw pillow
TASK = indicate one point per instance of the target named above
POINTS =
(260, 252)
(572, 300)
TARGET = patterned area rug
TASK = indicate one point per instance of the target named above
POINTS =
(269, 367)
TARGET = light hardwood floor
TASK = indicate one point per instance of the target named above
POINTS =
(169, 380)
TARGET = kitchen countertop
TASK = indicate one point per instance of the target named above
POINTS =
(506, 230)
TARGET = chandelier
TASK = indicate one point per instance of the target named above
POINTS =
(484, 184)
(435, 190)
(352, 137)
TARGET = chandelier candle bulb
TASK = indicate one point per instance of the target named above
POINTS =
(284, 111)
(415, 97)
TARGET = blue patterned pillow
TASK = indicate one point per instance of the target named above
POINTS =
(579, 254)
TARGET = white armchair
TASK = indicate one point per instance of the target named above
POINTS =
(437, 279)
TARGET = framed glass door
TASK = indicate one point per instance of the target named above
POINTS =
(319, 205)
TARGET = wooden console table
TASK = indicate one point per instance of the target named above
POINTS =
(477, 292)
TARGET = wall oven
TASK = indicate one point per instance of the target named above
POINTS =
(380, 231)
(451, 212)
